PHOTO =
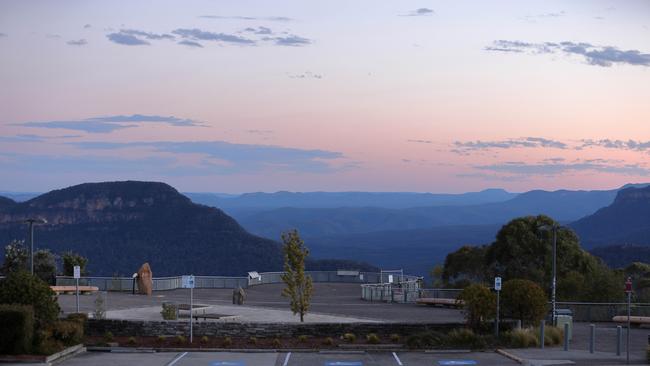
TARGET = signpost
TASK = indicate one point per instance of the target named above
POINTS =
(497, 288)
(77, 275)
(628, 291)
(188, 282)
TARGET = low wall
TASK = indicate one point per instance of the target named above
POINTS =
(262, 330)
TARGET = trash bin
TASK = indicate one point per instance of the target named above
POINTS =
(565, 319)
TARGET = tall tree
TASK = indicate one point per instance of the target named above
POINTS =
(70, 260)
(45, 266)
(299, 285)
(16, 257)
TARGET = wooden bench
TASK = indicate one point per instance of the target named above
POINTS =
(435, 301)
(73, 289)
(635, 320)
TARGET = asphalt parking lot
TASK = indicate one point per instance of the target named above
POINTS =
(289, 359)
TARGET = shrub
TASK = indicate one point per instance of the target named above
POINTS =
(349, 337)
(302, 338)
(373, 338)
(523, 338)
(180, 339)
(17, 328)
(425, 340)
(70, 260)
(131, 341)
(394, 338)
(329, 341)
(523, 300)
(276, 342)
(78, 317)
(23, 288)
(108, 337)
(647, 354)
(67, 332)
(465, 338)
(169, 311)
(252, 340)
(45, 266)
(227, 342)
(479, 305)
(205, 339)
(100, 307)
(160, 339)
(554, 335)
(414, 341)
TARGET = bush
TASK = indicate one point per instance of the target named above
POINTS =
(100, 307)
(425, 340)
(70, 260)
(160, 339)
(373, 338)
(523, 338)
(108, 337)
(349, 337)
(553, 336)
(131, 341)
(23, 288)
(465, 338)
(479, 305)
(17, 328)
(180, 339)
(328, 341)
(227, 342)
(169, 311)
(252, 340)
(68, 332)
(647, 354)
(276, 342)
(205, 339)
(523, 300)
(394, 338)
(78, 317)
(45, 266)
(302, 338)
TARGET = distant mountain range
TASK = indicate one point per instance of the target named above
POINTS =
(120, 225)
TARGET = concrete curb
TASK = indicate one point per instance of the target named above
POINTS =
(47, 360)
(510, 356)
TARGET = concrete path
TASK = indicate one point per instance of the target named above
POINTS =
(557, 356)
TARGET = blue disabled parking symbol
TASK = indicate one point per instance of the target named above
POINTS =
(343, 363)
(227, 363)
(456, 362)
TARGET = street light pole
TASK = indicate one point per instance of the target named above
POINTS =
(553, 285)
(31, 223)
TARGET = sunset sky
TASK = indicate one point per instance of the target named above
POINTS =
(240, 96)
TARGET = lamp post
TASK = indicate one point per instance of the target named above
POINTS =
(553, 228)
(31, 223)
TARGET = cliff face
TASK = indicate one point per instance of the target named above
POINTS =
(120, 225)
(626, 221)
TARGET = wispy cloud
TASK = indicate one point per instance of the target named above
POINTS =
(78, 42)
(109, 123)
(419, 12)
(535, 17)
(617, 144)
(420, 141)
(259, 30)
(126, 39)
(305, 75)
(556, 168)
(185, 42)
(87, 26)
(290, 40)
(241, 17)
(2, 35)
(605, 56)
(201, 35)
(523, 142)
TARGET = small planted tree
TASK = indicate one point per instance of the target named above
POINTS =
(299, 285)
(524, 300)
(70, 260)
(16, 257)
(479, 305)
(45, 266)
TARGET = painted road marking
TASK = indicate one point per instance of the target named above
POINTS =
(286, 359)
(456, 362)
(227, 363)
(343, 363)
(399, 362)
(177, 359)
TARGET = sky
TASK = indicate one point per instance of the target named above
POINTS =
(241, 96)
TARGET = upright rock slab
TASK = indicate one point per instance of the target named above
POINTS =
(145, 280)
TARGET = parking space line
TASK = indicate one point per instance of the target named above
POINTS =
(173, 362)
(286, 359)
(399, 362)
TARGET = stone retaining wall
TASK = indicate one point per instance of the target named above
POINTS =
(261, 330)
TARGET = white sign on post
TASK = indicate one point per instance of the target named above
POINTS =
(188, 281)
(497, 283)
(77, 272)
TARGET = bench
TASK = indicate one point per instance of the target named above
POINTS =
(435, 301)
(73, 289)
(636, 320)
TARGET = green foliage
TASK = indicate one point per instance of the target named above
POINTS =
(131, 341)
(464, 337)
(276, 342)
(329, 341)
(227, 342)
(108, 337)
(78, 317)
(160, 339)
(431, 339)
(647, 354)
(299, 285)
(523, 300)
(169, 311)
(181, 339)
(16, 257)
(68, 332)
(466, 264)
(395, 338)
(100, 307)
(204, 339)
(70, 260)
(45, 266)
(252, 340)
(349, 337)
(479, 305)
(436, 274)
(17, 328)
(522, 338)
(22, 288)
(302, 338)
(372, 338)
(553, 336)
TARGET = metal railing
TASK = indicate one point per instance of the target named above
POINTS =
(603, 311)
(401, 292)
(174, 282)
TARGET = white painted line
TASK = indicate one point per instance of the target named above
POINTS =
(177, 359)
(286, 359)
(399, 362)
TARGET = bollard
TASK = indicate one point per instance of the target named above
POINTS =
(592, 337)
(566, 336)
(541, 333)
(519, 324)
(619, 340)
